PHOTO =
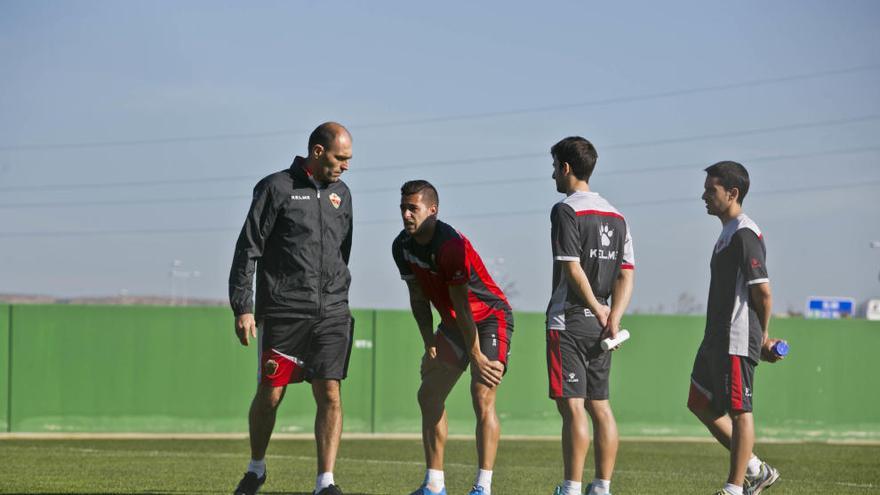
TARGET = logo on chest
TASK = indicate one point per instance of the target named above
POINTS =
(335, 200)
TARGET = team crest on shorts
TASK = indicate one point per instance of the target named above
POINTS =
(335, 200)
(270, 367)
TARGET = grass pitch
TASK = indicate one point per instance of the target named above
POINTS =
(375, 467)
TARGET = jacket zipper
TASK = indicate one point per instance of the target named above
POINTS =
(320, 255)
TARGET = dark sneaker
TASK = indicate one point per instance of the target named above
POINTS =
(249, 484)
(766, 476)
(330, 490)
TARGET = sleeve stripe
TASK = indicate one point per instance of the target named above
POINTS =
(567, 258)
(759, 281)
(407, 277)
(627, 266)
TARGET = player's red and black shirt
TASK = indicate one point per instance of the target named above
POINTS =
(450, 259)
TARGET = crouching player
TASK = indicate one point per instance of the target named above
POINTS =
(441, 267)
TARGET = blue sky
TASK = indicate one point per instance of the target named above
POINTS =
(154, 120)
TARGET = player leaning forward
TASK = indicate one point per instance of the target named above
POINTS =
(736, 337)
(297, 237)
(592, 262)
(441, 267)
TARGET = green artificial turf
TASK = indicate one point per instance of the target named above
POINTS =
(396, 467)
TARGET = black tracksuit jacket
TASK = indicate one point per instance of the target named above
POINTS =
(297, 237)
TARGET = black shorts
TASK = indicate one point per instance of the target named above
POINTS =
(721, 381)
(294, 349)
(493, 332)
(576, 364)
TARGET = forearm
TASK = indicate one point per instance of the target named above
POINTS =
(621, 294)
(468, 328)
(763, 304)
(241, 279)
(761, 300)
(421, 310)
(465, 319)
(578, 281)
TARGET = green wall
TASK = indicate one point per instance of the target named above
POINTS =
(114, 369)
(151, 369)
(4, 367)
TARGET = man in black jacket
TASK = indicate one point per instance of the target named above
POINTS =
(297, 237)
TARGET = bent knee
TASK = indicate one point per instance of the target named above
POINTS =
(569, 407)
(428, 398)
(484, 406)
(326, 392)
(269, 397)
(600, 410)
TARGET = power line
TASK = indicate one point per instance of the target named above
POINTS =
(130, 183)
(126, 202)
(693, 198)
(448, 118)
(641, 144)
(654, 202)
(694, 166)
(463, 161)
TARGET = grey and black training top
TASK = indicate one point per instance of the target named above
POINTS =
(297, 237)
(738, 262)
(586, 228)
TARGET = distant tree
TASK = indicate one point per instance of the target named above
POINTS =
(687, 304)
(503, 278)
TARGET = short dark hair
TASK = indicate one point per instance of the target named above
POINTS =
(577, 152)
(731, 174)
(429, 192)
(325, 134)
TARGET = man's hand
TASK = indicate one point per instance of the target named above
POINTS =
(610, 330)
(489, 372)
(245, 326)
(429, 360)
(601, 314)
(767, 353)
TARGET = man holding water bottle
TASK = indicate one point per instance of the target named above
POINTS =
(736, 336)
(592, 262)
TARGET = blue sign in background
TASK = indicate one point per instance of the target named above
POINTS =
(832, 308)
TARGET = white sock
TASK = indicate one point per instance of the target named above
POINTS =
(323, 481)
(735, 490)
(572, 487)
(434, 480)
(484, 480)
(257, 467)
(754, 466)
(600, 487)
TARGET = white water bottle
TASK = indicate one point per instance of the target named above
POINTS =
(622, 336)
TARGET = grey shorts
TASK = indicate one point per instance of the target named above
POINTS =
(576, 364)
(721, 381)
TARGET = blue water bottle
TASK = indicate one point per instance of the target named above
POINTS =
(780, 348)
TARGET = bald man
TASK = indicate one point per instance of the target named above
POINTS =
(297, 238)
